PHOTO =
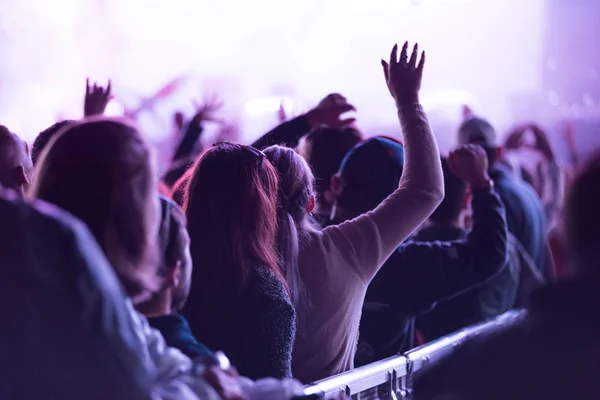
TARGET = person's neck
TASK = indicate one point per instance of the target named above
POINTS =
(157, 307)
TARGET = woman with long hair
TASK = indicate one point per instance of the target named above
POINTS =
(102, 171)
(239, 301)
(328, 271)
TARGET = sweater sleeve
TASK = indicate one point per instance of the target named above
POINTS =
(269, 332)
(368, 240)
(287, 134)
(427, 272)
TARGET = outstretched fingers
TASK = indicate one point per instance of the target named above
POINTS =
(421, 64)
(394, 55)
(404, 53)
(385, 70)
(413, 56)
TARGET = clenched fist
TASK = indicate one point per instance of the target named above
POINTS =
(469, 162)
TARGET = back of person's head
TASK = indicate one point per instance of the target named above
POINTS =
(175, 270)
(451, 207)
(324, 149)
(102, 171)
(581, 221)
(174, 243)
(479, 131)
(231, 208)
(44, 137)
(15, 163)
(295, 202)
(368, 174)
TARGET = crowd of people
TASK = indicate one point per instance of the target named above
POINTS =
(245, 271)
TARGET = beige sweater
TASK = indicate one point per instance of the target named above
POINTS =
(338, 262)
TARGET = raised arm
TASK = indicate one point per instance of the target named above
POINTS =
(96, 99)
(370, 238)
(186, 148)
(428, 272)
(328, 112)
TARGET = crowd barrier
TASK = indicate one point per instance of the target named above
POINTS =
(390, 378)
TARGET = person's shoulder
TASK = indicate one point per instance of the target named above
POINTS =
(267, 289)
(265, 282)
(28, 213)
(39, 224)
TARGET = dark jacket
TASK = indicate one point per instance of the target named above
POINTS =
(259, 328)
(493, 298)
(420, 274)
(525, 216)
(551, 352)
(67, 328)
(177, 333)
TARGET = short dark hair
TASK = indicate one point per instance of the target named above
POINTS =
(327, 148)
(455, 189)
(173, 238)
(43, 138)
(370, 172)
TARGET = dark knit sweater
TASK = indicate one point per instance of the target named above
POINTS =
(258, 330)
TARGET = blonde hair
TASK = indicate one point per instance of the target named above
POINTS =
(296, 188)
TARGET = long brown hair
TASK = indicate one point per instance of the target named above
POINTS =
(102, 171)
(230, 205)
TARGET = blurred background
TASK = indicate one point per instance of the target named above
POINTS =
(509, 60)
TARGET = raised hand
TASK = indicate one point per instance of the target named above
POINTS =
(96, 98)
(207, 110)
(281, 114)
(329, 112)
(542, 144)
(515, 139)
(403, 76)
(178, 120)
(469, 162)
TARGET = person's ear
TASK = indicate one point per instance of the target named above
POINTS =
(20, 176)
(335, 185)
(312, 203)
(173, 275)
(467, 199)
(499, 152)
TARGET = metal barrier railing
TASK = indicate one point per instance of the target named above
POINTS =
(390, 378)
